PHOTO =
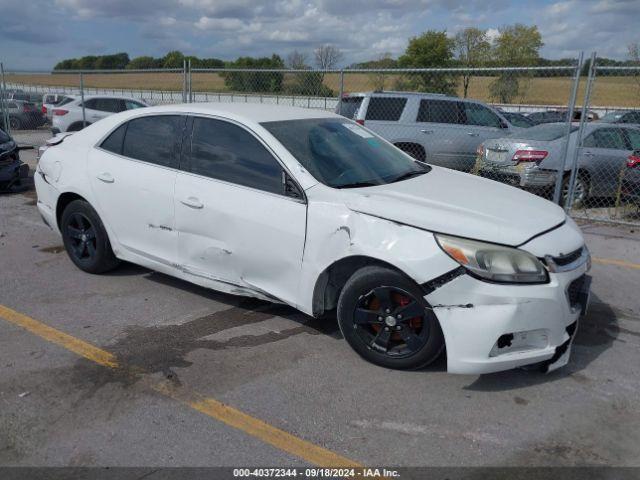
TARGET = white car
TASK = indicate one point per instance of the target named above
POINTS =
(307, 208)
(53, 100)
(68, 117)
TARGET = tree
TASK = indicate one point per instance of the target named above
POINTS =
(432, 49)
(144, 63)
(378, 79)
(116, 61)
(297, 60)
(517, 46)
(253, 81)
(473, 49)
(327, 57)
(173, 59)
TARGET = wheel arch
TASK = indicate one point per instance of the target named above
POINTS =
(330, 282)
(65, 199)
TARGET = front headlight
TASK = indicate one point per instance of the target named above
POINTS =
(494, 262)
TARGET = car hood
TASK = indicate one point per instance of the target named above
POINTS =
(456, 203)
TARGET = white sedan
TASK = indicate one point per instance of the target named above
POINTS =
(306, 208)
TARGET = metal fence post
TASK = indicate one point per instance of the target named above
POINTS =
(565, 147)
(184, 81)
(84, 117)
(3, 100)
(190, 92)
(341, 93)
(583, 120)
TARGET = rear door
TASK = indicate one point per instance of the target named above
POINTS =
(604, 155)
(235, 224)
(384, 116)
(441, 130)
(132, 175)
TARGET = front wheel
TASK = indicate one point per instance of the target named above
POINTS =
(384, 317)
(86, 239)
(580, 190)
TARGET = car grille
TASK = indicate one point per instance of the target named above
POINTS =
(574, 289)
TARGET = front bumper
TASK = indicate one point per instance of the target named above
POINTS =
(492, 327)
(12, 173)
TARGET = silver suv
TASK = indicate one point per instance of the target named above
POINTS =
(438, 129)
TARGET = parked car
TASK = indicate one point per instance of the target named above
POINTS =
(555, 116)
(631, 180)
(622, 116)
(307, 208)
(438, 129)
(52, 100)
(532, 158)
(23, 115)
(68, 117)
(12, 170)
(518, 119)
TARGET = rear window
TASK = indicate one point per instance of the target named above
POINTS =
(349, 106)
(64, 101)
(385, 108)
(547, 132)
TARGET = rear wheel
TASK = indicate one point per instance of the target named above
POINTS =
(85, 238)
(15, 123)
(580, 190)
(384, 317)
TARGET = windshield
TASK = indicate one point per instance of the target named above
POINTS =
(4, 138)
(349, 106)
(342, 154)
(546, 132)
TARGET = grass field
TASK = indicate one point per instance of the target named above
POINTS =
(607, 91)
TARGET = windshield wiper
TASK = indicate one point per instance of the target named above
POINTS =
(356, 185)
(408, 175)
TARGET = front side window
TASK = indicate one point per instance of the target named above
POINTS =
(342, 154)
(111, 105)
(154, 139)
(131, 105)
(385, 108)
(440, 111)
(634, 138)
(480, 115)
(227, 152)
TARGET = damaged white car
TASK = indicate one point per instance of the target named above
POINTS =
(306, 208)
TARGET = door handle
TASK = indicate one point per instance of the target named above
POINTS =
(473, 134)
(192, 202)
(426, 131)
(106, 177)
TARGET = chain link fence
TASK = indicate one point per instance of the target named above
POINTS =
(567, 133)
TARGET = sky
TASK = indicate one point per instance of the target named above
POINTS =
(36, 34)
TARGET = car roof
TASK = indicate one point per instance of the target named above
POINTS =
(382, 93)
(249, 112)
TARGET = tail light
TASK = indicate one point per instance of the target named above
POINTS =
(530, 156)
(360, 121)
(633, 160)
(480, 150)
(60, 111)
(44, 110)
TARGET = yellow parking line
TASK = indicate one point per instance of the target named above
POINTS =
(613, 261)
(211, 407)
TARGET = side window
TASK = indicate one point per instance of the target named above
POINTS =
(440, 111)
(227, 152)
(631, 117)
(480, 115)
(130, 105)
(91, 103)
(113, 143)
(385, 108)
(154, 139)
(634, 138)
(609, 138)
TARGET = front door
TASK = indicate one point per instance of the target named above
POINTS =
(235, 224)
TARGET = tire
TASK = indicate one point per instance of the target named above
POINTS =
(412, 341)
(86, 239)
(15, 123)
(581, 190)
